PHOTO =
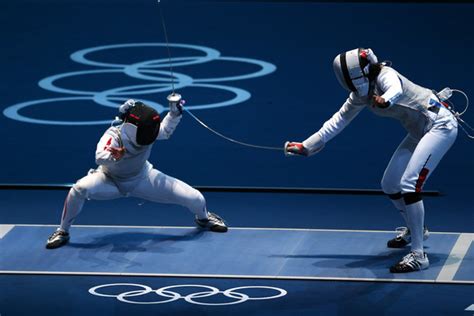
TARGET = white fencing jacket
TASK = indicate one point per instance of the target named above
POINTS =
(134, 163)
(409, 104)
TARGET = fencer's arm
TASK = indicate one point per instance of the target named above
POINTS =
(349, 110)
(168, 125)
(103, 156)
(390, 83)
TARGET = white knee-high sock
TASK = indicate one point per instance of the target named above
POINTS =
(400, 206)
(199, 208)
(72, 207)
(203, 214)
(416, 215)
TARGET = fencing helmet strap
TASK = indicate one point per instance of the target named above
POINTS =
(141, 124)
(352, 69)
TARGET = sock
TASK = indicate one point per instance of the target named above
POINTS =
(400, 206)
(196, 203)
(416, 215)
(397, 200)
(72, 207)
(202, 215)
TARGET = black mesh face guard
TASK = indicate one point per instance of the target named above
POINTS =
(147, 133)
(147, 121)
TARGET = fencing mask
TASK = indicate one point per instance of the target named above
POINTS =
(141, 124)
(352, 69)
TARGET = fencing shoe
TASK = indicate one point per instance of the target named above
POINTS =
(57, 239)
(214, 223)
(411, 262)
(404, 237)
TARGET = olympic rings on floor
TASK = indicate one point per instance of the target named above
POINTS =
(171, 296)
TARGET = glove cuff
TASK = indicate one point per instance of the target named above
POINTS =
(174, 97)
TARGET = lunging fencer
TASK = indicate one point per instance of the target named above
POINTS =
(123, 169)
(431, 127)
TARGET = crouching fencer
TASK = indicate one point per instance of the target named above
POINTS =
(122, 156)
(431, 127)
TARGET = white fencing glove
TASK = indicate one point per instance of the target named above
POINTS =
(294, 148)
(127, 106)
(176, 104)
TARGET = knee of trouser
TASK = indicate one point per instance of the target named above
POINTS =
(411, 189)
(408, 185)
(79, 189)
(389, 186)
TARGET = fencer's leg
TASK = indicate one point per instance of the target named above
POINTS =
(159, 187)
(416, 217)
(393, 173)
(417, 259)
(72, 207)
(427, 155)
(391, 186)
(397, 201)
(403, 237)
(96, 186)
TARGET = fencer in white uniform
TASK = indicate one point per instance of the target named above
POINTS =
(124, 170)
(431, 127)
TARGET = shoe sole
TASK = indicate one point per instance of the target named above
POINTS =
(393, 270)
(56, 245)
(218, 229)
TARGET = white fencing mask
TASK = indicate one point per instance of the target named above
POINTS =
(352, 69)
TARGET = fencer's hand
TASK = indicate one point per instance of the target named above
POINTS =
(127, 105)
(294, 148)
(379, 102)
(117, 152)
(176, 103)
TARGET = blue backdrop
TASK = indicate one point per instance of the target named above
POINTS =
(296, 41)
(300, 39)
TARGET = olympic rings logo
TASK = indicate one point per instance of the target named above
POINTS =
(155, 71)
(168, 295)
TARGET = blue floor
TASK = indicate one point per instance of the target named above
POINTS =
(303, 298)
(271, 253)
